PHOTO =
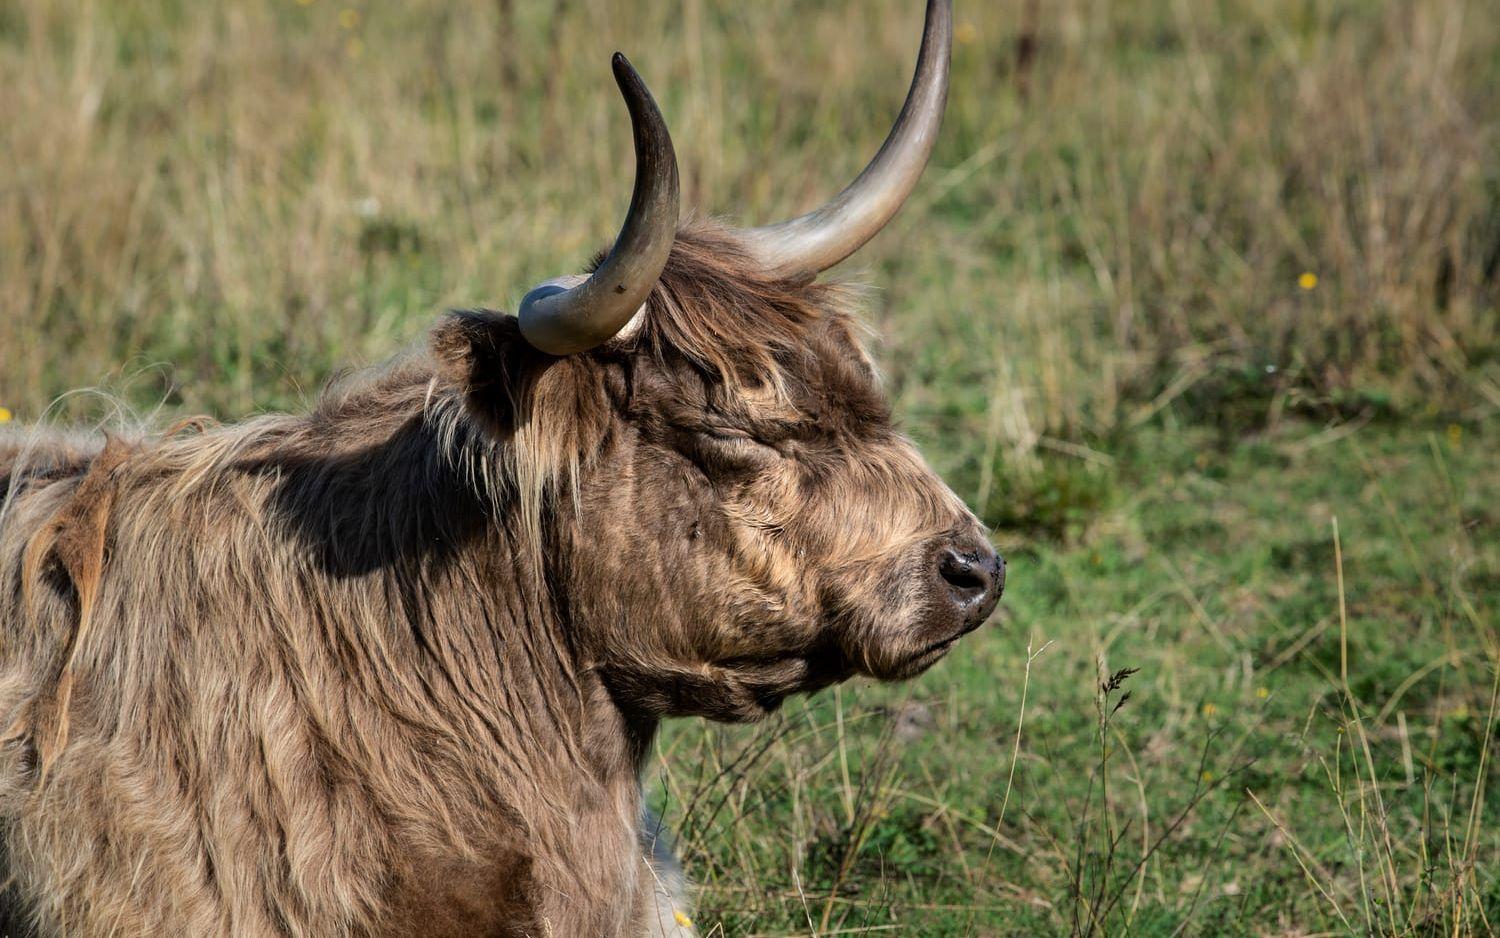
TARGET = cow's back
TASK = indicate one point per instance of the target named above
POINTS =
(32, 454)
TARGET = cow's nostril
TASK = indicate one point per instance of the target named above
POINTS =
(973, 579)
(963, 575)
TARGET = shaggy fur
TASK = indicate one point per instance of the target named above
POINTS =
(391, 667)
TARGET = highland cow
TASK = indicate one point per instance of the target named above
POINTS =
(392, 666)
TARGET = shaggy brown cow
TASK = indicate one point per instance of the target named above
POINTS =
(392, 667)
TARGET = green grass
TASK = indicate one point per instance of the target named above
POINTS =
(1093, 316)
(1238, 757)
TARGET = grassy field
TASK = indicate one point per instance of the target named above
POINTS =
(1300, 753)
(1199, 306)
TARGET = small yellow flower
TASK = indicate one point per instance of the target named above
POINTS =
(1308, 280)
(5, 415)
(1455, 435)
(966, 33)
(1262, 692)
(348, 18)
(682, 918)
(1209, 710)
(1207, 776)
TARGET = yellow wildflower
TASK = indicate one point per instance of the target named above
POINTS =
(1207, 775)
(1308, 280)
(5, 415)
(348, 18)
(1209, 710)
(1262, 692)
(682, 918)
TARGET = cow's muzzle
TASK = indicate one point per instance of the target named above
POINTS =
(971, 575)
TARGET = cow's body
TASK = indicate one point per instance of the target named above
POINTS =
(282, 715)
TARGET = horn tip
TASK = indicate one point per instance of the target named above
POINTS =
(629, 80)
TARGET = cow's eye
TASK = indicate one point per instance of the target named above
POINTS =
(733, 447)
(724, 435)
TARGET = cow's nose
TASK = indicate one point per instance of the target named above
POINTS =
(974, 576)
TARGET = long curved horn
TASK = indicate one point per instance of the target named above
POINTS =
(814, 242)
(566, 321)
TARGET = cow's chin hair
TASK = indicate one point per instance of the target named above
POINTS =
(736, 691)
(765, 686)
(915, 664)
(900, 644)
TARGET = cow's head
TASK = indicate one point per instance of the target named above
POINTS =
(725, 510)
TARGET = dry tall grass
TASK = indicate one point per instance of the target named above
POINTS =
(238, 198)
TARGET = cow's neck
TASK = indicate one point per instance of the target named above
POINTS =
(547, 786)
(466, 593)
(506, 763)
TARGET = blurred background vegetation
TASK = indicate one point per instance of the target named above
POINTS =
(1190, 285)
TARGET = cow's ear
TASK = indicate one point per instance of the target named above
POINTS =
(509, 386)
(484, 358)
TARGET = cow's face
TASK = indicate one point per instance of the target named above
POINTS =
(745, 520)
(807, 525)
(731, 516)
